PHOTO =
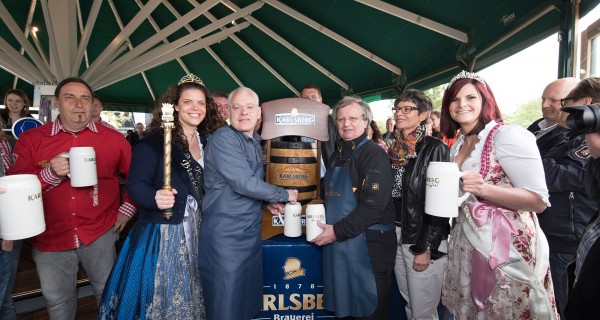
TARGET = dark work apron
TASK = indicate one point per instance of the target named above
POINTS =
(349, 284)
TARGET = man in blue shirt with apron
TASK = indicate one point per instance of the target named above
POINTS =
(359, 238)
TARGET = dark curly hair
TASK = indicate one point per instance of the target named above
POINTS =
(212, 120)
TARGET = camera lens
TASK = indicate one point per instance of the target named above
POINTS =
(585, 118)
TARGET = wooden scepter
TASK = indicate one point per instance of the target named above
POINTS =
(167, 124)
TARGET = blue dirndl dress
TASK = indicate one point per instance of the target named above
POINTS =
(156, 274)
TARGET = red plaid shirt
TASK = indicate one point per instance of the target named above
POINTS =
(8, 158)
(75, 214)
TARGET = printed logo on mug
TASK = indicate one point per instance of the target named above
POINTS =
(441, 189)
(314, 214)
(82, 163)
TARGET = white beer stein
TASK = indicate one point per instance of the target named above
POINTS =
(82, 163)
(21, 207)
(441, 189)
(314, 214)
(292, 220)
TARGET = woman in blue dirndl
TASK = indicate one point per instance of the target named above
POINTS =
(156, 274)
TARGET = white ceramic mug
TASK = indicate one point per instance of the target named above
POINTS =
(82, 163)
(292, 220)
(21, 207)
(441, 189)
(314, 213)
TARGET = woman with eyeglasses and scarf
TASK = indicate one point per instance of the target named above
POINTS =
(422, 245)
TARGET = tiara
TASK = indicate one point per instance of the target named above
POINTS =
(467, 75)
(191, 78)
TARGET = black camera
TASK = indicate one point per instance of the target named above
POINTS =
(585, 118)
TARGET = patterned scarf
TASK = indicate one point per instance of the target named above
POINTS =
(403, 149)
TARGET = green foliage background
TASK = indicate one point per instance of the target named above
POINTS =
(526, 113)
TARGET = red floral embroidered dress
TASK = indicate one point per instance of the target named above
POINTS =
(510, 298)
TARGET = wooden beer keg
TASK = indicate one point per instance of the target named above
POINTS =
(289, 162)
(294, 165)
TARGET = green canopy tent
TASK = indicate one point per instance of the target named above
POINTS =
(130, 51)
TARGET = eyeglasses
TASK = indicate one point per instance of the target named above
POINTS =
(564, 101)
(352, 120)
(238, 107)
(405, 109)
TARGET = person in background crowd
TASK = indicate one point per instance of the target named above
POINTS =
(230, 258)
(422, 239)
(389, 129)
(132, 137)
(435, 118)
(498, 263)
(312, 92)
(565, 156)
(375, 135)
(82, 223)
(10, 249)
(435, 124)
(97, 109)
(551, 105)
(220, 98)
(139, 129)
(428, 127)
(359, 239)
(16, 106)
(156, 275)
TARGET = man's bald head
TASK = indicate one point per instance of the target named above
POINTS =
(551, 96)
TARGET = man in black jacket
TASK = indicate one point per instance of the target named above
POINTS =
(311, 91)
(359, 239)
(565, 156)
(584, 293)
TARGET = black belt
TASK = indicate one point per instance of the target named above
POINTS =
(293, 160)
(381, 227)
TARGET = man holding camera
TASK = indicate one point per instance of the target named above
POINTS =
(565, 156)
(582, 114)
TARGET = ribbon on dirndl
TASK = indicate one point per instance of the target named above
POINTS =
(484, 270)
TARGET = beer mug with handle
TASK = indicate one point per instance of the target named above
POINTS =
(442, 188)
(82, 161)
(314, 213)
(21, 207)
(292, 220)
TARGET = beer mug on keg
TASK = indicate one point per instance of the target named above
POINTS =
(441, 189)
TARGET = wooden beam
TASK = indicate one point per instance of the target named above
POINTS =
(18, 34)
(161, 55)
(102, 59)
